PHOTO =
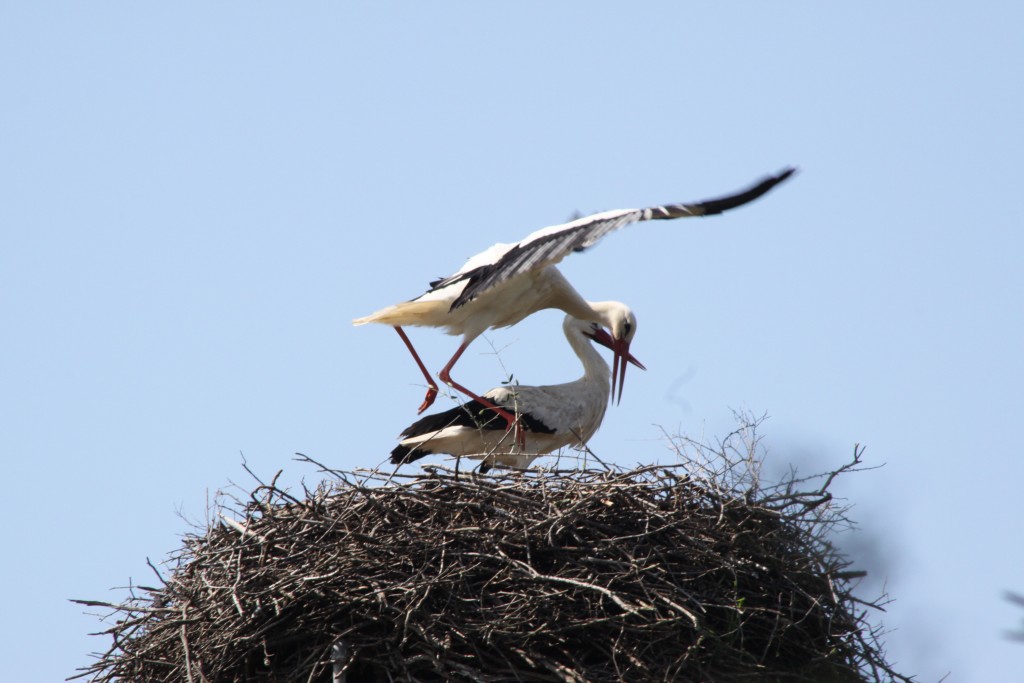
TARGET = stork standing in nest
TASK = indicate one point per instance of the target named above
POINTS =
(506, 283)
(550, 417)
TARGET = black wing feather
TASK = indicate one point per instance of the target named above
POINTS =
(711, 207)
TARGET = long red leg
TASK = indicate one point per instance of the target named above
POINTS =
(445, 375)
(431, 386)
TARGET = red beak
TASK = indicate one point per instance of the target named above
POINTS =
(621, 356)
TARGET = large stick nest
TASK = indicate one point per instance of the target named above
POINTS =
(642, 575)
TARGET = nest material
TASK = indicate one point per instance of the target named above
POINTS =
(640, 575)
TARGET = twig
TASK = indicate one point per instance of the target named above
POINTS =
(242, 529)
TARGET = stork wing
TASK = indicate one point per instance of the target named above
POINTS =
(548, 246)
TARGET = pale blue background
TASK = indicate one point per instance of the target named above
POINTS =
(197, 198)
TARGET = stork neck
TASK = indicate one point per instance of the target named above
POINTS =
(565, 297)
(594, 365)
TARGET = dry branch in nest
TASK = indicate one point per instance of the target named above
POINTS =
(642, 575)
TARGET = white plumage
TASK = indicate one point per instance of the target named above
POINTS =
(506, 283)
(550, 417)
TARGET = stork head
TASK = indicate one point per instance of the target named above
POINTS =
(620, 320)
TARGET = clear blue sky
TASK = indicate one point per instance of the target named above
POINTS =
(197, 198)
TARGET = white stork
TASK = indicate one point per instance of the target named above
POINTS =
(550, 417)
(506, 283)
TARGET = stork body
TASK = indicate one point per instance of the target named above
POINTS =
(550, 417)
(508, 282)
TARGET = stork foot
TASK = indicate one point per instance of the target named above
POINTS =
(428, 400)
